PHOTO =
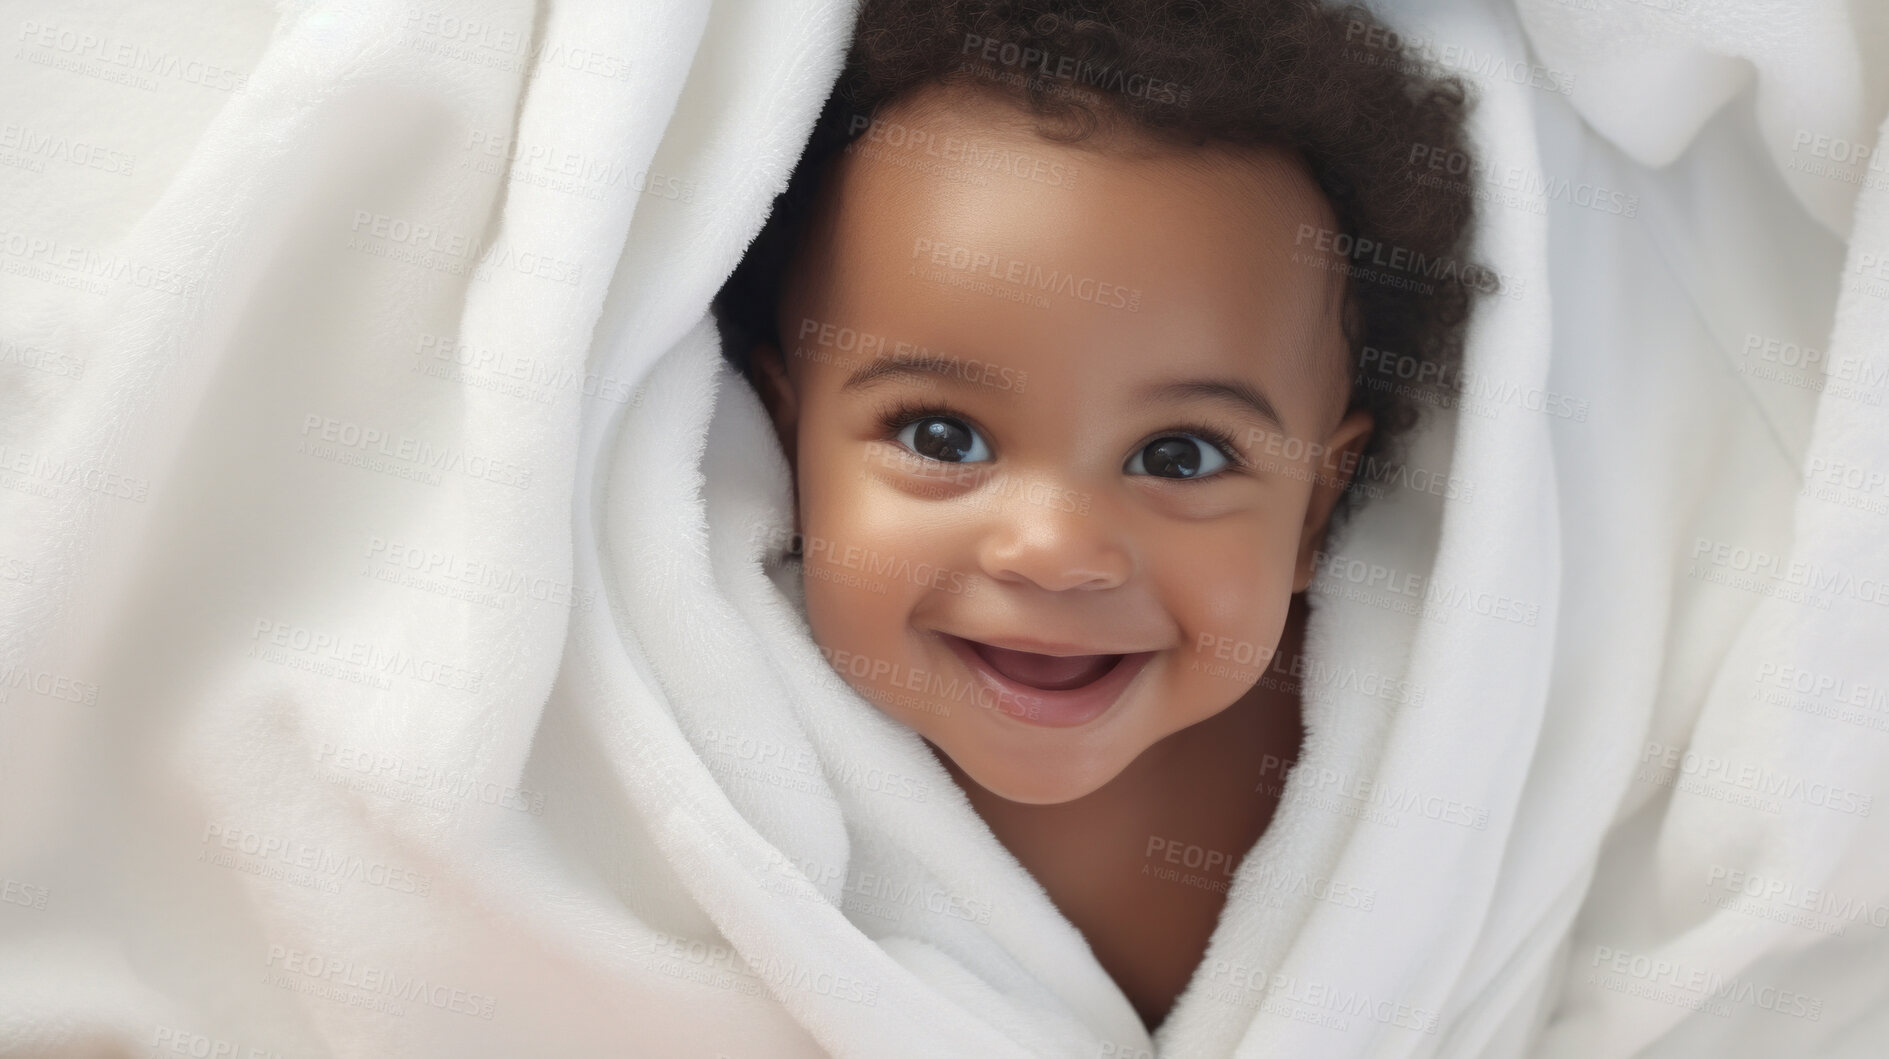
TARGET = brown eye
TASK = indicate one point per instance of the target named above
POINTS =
(1176, 456)
(945, 439)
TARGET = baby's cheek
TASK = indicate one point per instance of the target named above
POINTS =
(850, 650)
(1232, 571)
(856, 611)
(1235, 611)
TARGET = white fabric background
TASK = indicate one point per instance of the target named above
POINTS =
(509, 773)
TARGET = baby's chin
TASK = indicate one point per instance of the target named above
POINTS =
(1052, 793)
(1036, 776)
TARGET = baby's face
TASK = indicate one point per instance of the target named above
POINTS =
(1051, 426)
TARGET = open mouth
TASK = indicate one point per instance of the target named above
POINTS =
(1046, 672)
(1041, 689)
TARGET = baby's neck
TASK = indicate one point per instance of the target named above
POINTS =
(1116, 861)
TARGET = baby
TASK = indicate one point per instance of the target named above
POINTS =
(1060, 322)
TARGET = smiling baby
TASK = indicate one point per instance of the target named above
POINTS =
(1061, 318)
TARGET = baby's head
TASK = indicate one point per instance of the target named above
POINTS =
(1059, 322)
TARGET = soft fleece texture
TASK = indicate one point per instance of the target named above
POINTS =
(504, 735)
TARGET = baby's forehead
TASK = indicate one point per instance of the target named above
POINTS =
(935, 139)
(971, 170)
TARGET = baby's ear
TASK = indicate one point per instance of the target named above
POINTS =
(1331, 475)
(768, 372)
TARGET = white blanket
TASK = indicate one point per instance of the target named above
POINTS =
(395, 659)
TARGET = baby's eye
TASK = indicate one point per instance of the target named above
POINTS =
(943, 438)
(1177, 456)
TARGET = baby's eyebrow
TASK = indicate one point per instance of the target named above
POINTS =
(894, 367)
(1238, 391)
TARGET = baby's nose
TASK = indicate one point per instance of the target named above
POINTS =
(1057, 538)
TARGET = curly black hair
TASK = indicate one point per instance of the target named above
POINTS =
(1330, 83)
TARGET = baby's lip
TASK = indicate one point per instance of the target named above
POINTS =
(1042, 647)
(1062, 669)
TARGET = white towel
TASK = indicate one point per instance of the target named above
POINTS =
(396, 660)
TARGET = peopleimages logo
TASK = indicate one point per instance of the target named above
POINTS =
(1786, 894)
(1379, 43)
(1696, 986)
(1397, 799)
(1039, 62)
(1024, 275)
(828, 337)
(1295, 996)
(817, 551)
(1532, 187)
(1377, 367)
(944, 155)
(1707, 769)
(1361, 251)
(367, 979)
